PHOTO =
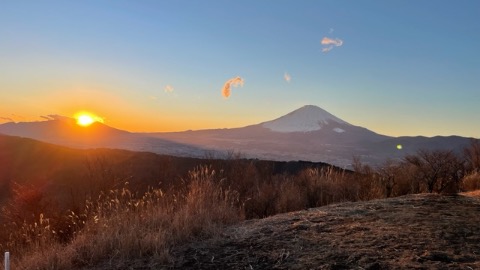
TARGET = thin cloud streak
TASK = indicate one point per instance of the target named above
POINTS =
(11, 118)
(51, 117)
(235, 82)
(8, 119)
(327, 49)
(287, 77)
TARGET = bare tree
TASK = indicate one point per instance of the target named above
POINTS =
(388, 174)
(472, 156)
(438, 169)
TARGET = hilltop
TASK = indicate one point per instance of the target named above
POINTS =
(424, 231)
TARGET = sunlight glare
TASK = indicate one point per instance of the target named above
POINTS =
(85, 119)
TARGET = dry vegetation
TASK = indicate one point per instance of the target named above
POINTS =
(423, 231)
(119, 226)
(115, 226)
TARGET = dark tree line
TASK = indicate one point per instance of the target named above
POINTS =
(441, 171)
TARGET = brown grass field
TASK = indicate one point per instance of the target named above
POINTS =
(425, 231)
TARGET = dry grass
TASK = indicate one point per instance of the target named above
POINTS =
(120, 227)
(471, 181)
(310, 188)
(423, 231)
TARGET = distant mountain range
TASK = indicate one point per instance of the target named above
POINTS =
(311, 133)
(308, 133)
(66, 132)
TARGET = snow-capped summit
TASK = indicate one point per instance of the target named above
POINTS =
(307, 118)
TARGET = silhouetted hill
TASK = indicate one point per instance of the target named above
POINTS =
(70, 174)
(65, 131)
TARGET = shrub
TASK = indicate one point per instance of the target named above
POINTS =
(119, 226)
(471, 182)
(438, 170)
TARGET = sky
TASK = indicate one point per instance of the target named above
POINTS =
(395, 67)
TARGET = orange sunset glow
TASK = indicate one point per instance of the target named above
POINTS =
(85, 119)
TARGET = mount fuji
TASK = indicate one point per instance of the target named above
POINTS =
(308, 133)
(313, 134)
(306, 119)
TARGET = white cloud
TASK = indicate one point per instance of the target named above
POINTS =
(330, 43)
(235, 82)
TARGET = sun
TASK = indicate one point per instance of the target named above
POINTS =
(85, 119)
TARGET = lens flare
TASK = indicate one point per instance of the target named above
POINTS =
(399, 146)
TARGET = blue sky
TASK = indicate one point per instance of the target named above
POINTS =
(400, 67)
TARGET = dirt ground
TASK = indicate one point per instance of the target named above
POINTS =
(426, 231)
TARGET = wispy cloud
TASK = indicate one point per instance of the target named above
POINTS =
(235, 82)
(8, 119)
(327, 49)
(330, 43)
(54, 117)
(331, 30)
(287, 77)
(11, 118)
(168, 89)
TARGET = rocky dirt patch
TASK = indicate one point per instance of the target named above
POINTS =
(424, 231)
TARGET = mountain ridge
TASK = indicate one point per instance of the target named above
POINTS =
(309, 133)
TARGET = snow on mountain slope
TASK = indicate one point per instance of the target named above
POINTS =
(308, 118)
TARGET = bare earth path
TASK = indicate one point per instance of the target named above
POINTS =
(412, 232)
